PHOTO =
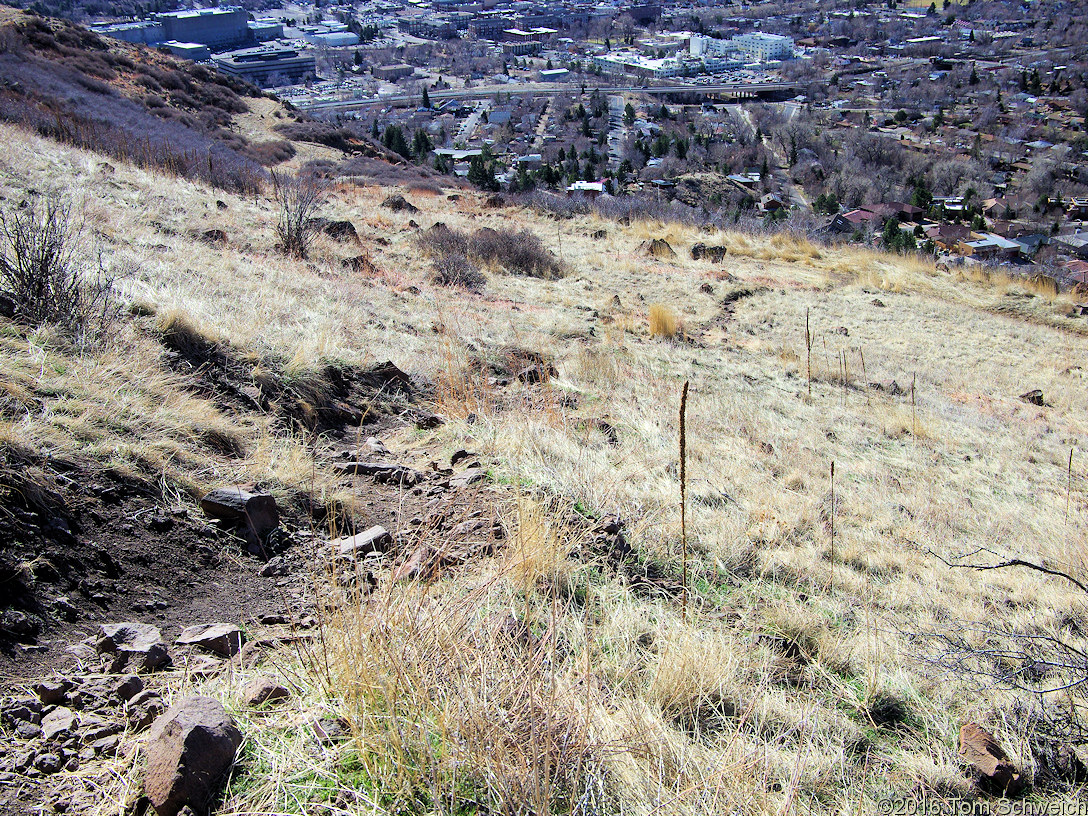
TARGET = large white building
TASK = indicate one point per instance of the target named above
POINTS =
(764, 47)
(756, 46)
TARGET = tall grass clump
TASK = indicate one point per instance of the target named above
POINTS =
(663, 322)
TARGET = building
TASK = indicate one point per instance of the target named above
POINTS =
(763, 47)
(144, 32)
(192, 51)
(215, 27)
(266, 30)
(391, 73)
(268, 64)
(333, 39)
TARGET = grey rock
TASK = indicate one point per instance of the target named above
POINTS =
(221, 638)
(48, 763)
(58, 724)
(27, 730)
(53, 692)
(128, 637)
(356, 546)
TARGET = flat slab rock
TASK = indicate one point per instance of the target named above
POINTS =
(222, 638)
(376, 538)
(981, 750)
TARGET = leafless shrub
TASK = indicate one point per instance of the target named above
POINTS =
(454, 269)
(297, 200)
(521, 253)
(48, 276)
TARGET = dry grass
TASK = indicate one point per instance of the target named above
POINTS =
(663, 321)
(762, 701)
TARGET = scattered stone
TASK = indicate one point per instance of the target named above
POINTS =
(356, 546)
(658, 248)
(275, 566)
(58, 724)
(220, 204)
(272, 619)
(213, 236)
(48, 763)
(190, 748)
(236, 504)
(53, 692)
(706, 288)
(398, 203)
(381, 472)
(361, 264)
(1034, 397)
(331, 729)
(128, 687)
(468, 477)
(714, 254)
(221, 638)
(878, 303)
(264, 690)
(981, 750)
(27, 730)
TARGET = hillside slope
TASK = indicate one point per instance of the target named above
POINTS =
(528, 643)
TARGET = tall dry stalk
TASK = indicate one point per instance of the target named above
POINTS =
(808, 352)
(683, 499)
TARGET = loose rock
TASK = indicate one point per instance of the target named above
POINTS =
(981, 750)
(190, 748)
(263, 690)
(222, 638)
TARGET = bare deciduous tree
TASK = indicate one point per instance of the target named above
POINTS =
(297, 200)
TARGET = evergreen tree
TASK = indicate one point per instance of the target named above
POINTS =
(628, 114)
(421, 145)
(393, 139)
(426, 101)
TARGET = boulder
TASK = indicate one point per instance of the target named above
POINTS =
(134, 645)
(981, 750)
(398, 203)
(658, 248)
(189, 749)
(264, 690)
(221, 638)
(237, 504)
(1034, 397)
(711, 253)
(376, 538)
(339, 230)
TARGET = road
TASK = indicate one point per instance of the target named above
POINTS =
(550, 89)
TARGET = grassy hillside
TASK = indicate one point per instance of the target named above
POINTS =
(806, 664)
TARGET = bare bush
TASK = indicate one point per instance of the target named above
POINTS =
(454, 269)
(521, 253)
(46, 273)
(297, 201)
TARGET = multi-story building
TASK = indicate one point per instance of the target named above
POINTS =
(214, 27)
(763, 47)
(268, 64)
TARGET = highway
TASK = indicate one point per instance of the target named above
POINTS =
(736, 89)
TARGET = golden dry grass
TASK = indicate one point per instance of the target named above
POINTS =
(760, 701)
